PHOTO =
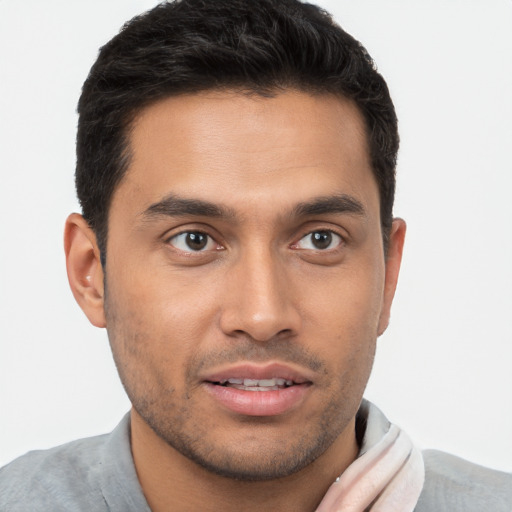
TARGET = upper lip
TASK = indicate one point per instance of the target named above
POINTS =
(259, 372)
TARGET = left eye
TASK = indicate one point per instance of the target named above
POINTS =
(319, 241)
(193, 241)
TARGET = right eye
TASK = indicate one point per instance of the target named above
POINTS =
(193, 241)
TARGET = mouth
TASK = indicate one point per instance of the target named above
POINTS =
(258, 391)
(273, 384)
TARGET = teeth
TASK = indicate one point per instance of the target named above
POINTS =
(273, 383)
(260, 388)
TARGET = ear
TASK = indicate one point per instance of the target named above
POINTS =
(83, 264)
(393, 261)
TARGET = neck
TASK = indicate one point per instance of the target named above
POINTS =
(170, 481)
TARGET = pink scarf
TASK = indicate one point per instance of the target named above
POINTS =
(387, 478)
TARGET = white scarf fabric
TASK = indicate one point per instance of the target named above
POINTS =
(388, 477)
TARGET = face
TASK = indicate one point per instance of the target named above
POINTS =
(245, 277)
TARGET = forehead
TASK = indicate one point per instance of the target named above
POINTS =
(243, 149)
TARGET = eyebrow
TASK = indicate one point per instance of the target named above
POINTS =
(340, 203)
(175, 206)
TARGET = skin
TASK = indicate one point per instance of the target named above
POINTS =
(259, 292)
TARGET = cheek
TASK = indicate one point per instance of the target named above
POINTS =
(156, 322)
(341, 315)
(166, 300)
(345, 301)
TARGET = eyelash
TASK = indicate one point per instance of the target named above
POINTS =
(332, 236)
(198, 235)
(193, 234)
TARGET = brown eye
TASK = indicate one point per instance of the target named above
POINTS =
(320, 240)
(192, 241)
(196, 241)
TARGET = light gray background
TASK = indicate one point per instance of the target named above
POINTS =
(443, 369)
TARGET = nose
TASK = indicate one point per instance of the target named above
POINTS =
(260, 301)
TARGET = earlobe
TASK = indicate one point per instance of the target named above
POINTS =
(393, 261)
(85, 273)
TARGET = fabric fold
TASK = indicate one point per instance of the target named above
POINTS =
(388, 477)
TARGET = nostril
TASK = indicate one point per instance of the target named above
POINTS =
(261, 317)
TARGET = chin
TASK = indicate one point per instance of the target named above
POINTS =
(266, 452)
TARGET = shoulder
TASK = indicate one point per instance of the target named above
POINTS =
(61, 478)
(454, 484)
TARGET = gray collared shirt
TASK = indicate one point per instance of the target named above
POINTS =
(98, 475)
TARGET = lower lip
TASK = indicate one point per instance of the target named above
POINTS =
(258, 403)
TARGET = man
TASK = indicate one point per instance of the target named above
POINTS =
(236, 174)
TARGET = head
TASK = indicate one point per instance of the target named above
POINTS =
(236, 172)
(189, 46)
